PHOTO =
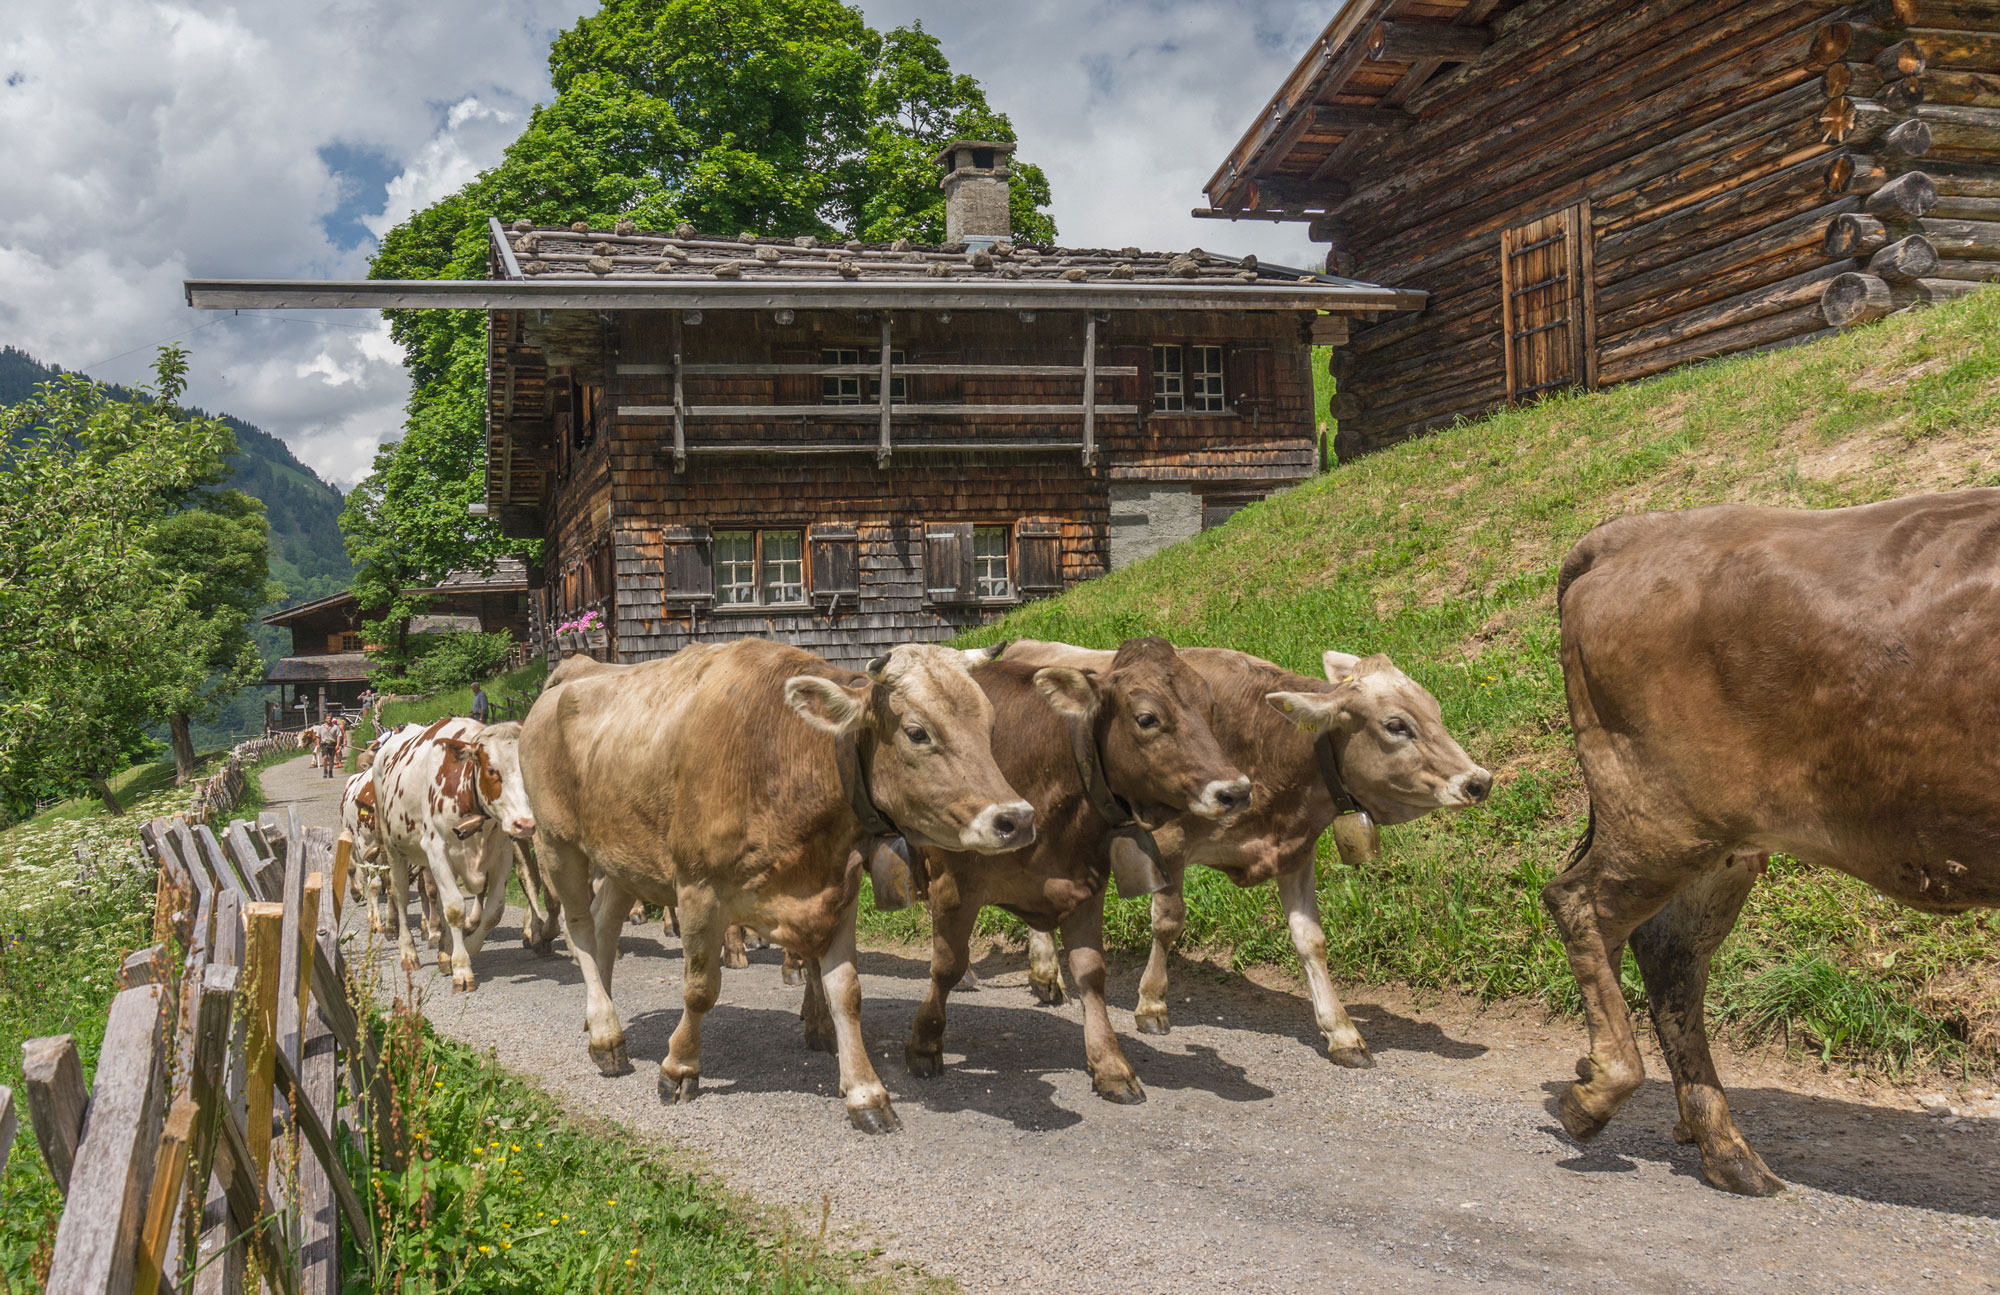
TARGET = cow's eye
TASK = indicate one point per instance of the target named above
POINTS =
(1146, 719)
(918, 735)
(1397, 727)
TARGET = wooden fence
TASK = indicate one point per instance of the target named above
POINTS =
(208, 1138)
(223, 790)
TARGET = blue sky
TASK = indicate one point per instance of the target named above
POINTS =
(281, 138)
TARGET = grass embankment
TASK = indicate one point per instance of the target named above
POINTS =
(524, 682)
(1443, 553)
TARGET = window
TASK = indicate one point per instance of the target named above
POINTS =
(350, 643)
(1205, 379)
(989, 563)
(1548, 310)
(1169, 396)
(847, 388)
(759, 568)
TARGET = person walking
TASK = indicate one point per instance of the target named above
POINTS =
(329, 746)
(479, 703)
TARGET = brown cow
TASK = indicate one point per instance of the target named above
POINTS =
(1750, 680)
(1378, 730)
(1132, 741)
(742, 778)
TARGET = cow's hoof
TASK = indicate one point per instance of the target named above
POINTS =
(735, 960)
(924, 1065)
(463, 984)
(411, 962)
(821, 1041)
(1576, 1121)
(791, 975)
(1152, 1021)
(1049, 993)
(1745, 1174)
(967, 983)
(611, 1060)
(1122, 1089)
(543, 948)
(874, 1119)
(1357, 1058)
(679, 1092)
(1682, 1133)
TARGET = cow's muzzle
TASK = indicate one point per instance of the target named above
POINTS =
(1471, 788)
(522, 828)
(1221, 798)
(1007, 826)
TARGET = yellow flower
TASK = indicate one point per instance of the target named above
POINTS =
(506, 1245)
(628, 1263)
(479, 1151)
(612, 1201)
(515, 1146)
(581, 1231)
(635, 1250)
(483, 1250)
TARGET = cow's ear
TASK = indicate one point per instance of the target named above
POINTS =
(1071, 692)
(458, 746)
(976, 657)
(826, 705)
(1313, 712)
(1339, 666)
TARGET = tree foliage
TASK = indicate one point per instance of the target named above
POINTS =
(111, 619)
(776, 117)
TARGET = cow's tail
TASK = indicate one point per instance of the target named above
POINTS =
(1600, 543)
(1582, 847)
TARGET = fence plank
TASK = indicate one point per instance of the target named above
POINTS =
(7, 1124)
(220, 857)
(57, 1102)
(169, 1173)
(142, 968)
(364, 1059)
(97, 1239)
(220, 1264)
(319, 1136)
(249, 1208)
(260, 976)
(323, 1182)
(343, 861)
(292, 936)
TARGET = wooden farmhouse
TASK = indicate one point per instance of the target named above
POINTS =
(1592, 191)
(850, 445)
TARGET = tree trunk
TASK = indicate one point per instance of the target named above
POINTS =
(104, 792)
(183, 743)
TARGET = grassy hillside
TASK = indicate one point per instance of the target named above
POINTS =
(1443, 553)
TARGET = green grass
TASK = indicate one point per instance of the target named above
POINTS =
(422, 710)
(138, 781)
(1443, 553)
(510, 1193)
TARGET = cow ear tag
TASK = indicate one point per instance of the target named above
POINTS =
(1357, 838)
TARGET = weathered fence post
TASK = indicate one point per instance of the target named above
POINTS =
(57, 1102)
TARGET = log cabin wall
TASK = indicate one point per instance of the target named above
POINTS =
(652, 544)
(1599, 190)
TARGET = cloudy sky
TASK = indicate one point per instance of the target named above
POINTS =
(147, 141)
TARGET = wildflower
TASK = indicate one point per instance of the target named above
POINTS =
(484, 1250)
(514, 1146)
(635, 1250)
(506, 1245)
(612, 1201)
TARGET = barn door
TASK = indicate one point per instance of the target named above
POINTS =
(1547, 309)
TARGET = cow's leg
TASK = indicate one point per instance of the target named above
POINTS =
(1596, 904)
(427, 904)
(815, 1013)
(702, 928)
(1673, 949)
(734, 956)
(867, 1101)
(1344, 1043)
(951, 943)
(568, 870)
(538, 932)
(1110, 1073)
(499, 866)
(399, 896)
(1169, 920)
(1044, 971)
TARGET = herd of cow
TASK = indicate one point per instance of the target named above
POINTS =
(1741, 681)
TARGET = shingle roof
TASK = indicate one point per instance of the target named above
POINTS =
(685, 256)
(328, 667)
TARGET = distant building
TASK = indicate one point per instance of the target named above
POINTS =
(329, 663)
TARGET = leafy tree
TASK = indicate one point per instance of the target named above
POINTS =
(98, 636)
(778, 117)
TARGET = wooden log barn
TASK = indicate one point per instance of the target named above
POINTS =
(850, 445)
(1592, 191)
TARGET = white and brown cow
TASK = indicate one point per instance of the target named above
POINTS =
(1377, 733)
(450, 800)
(742, 779)
(358, 820)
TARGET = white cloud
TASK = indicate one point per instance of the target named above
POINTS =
(148, 141)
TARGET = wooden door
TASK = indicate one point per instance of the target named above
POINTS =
(1547, 310)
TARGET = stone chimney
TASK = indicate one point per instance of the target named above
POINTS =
(975, 184)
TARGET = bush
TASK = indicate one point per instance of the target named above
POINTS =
(442, 661)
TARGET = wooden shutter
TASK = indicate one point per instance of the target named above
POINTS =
(1038, 546)
(1547, 309)
(948, 562)
(687, 563)
(1248, 377)
(836, 563)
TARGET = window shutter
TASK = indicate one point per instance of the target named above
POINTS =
(1040, 549)
(1547, 304)
(688, 563)
(1144, 361)
(836, 563)
(948, 562)
(1248, 376)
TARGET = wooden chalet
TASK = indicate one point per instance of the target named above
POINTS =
(1592, 191)
(329, 662)
(850, 445)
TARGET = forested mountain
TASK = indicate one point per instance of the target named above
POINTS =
(307, 555)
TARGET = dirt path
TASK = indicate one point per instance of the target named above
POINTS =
(1256, 1164)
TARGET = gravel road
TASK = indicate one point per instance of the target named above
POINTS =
(1255, 1164)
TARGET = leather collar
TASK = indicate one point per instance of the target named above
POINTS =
(854, 782)
(1329, 773)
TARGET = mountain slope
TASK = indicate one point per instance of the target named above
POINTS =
(1443, 552)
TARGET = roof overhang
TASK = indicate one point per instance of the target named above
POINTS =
(1322, 294)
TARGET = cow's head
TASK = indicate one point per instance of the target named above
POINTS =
(925, 732)
(1150, 716)
(1388, 735)
(493, 757)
